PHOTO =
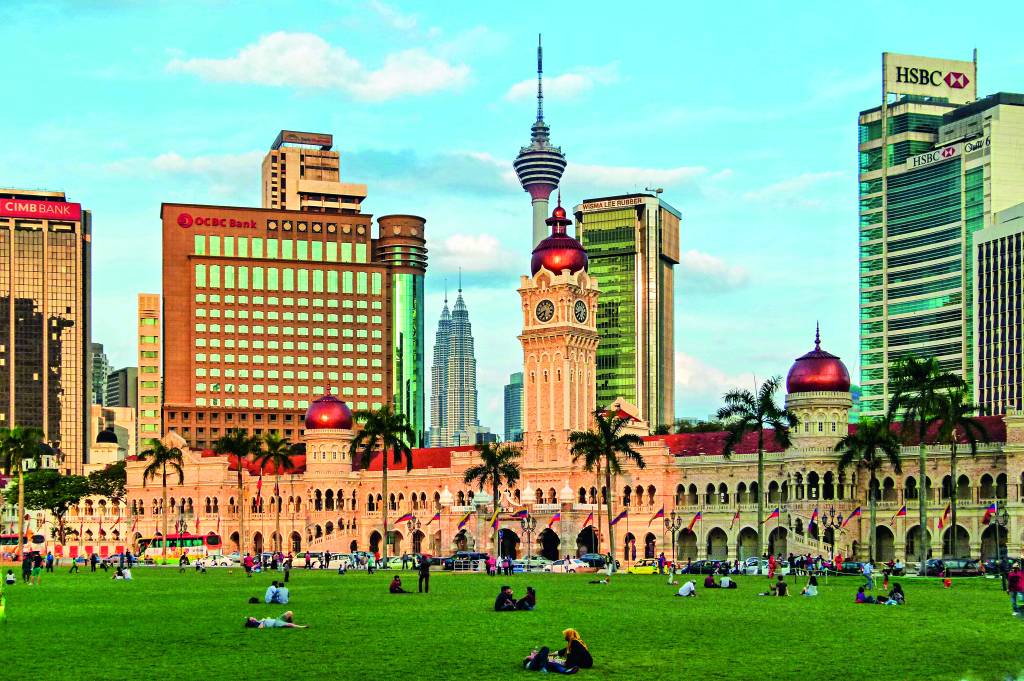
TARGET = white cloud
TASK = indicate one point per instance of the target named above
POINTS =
(621, 178)
(392, 17)
(305, 60)
(470, 252)
(700, 383)
(710, 274)
(802, 191)
(566, 85)
(220, 174)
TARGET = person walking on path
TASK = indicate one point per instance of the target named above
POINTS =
(1015, 585)
(424, 575)
(93, 560)
(869, 580)
(49, 561)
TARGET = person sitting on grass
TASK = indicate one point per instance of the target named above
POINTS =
(396, 586)
(529, 601)
(781, 588)
(10, 579)
(540, 661)
(689, 588)
(812, 587)
(119, 573)
(575, 651)
(285, 621)
(863, 597)
(504, 602)
(281, 597)
(271, 594)
(896, 596)
(710, 583)
(728, 582)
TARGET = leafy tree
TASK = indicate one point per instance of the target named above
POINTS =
(918, 387)
(163, 457)
(48, 490)
(746, 412)
(497, 467)
(870, 447)
(386, 430)
(699, 427)
(662, 429)
(238, 443)
(109, 482)
(955, 414)
(606, 445)
(277, 452)
(19, 445)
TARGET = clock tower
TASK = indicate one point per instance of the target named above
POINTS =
(559, 339)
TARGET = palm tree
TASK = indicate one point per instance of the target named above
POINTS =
(746, 412)
(164, 457)
(18, 445)
(276, 451)
(497, 467)
(918, 386)
(242, 446)
(862, 448)
(605, 444)
(387, 430)
(954, 415)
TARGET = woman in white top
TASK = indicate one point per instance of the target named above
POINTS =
(812, 587)
(688, 589)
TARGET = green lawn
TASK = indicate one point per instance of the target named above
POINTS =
(166, 625)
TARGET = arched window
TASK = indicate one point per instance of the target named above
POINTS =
(723, 493)
(910, 488)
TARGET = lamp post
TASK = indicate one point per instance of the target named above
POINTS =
(1001, 518)
(529, 524)
(673, 523)
(830, 520)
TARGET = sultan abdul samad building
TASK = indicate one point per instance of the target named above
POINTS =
(327, 504)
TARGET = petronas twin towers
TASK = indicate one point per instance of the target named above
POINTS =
(453, 415)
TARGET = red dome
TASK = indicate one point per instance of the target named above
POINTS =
(328, 412)
(559, 251)
(818, 371)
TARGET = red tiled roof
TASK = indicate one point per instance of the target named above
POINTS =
(432, 457)
(695, 444)
(994, 427)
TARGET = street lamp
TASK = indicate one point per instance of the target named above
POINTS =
(673, 523)
(830, 520)
(529, 524)
(1001, 518)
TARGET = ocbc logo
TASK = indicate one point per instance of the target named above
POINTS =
(184, 220)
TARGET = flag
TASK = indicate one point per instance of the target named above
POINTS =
(494, 518)
(557, 517)
(101, 528)
(735, 518)
(774, 514)
(589, 520)
(218, 525)
(619, 517)
(465, 519)
(135, 525)
(259, 488)
(403, 518)
(277, 490)
(989, 512)
(696, 516)
(436, 516)
(520, 515)
(855, 514)
(659, 514)
(902, 513)
(946, 514)
(814, 519)
(197, 523)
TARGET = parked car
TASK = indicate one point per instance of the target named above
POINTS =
(852, 567)
(956, 567)
(647, 566)
(755, 566)
(218, 561)
(597, 560)
(570, 565)
(537, 564)
(994, 568)
(461, 557)
(710, 567)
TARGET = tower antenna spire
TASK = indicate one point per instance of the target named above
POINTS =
(540, 75)
(446, 290)
(460, 280)
(817, 336)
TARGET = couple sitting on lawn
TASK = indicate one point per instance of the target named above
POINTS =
(506, 601)
(569, 660)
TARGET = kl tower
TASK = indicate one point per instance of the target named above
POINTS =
(540, 165)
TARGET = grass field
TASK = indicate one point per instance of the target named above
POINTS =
(166, 625)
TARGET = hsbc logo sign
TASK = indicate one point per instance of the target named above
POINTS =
(930, 157)
(948, 152)
(921, 76)
(186, 220)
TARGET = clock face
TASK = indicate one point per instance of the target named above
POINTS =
(580, 311)
(545, 311)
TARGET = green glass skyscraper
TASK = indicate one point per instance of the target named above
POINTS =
(633, 244)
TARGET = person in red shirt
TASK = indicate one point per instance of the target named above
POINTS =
(1015, 585)
(771, 566)
(839, 563)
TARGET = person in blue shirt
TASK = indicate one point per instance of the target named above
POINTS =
(869, 580)
(271, 595)
(282, 594)
(285, 621)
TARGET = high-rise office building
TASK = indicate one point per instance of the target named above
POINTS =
(454, 395)
(150, 375)
(122, 388)
(514, 407)
(45, 353)
(265, 309)
(999, 310)
(948, 166)
(633, 244)
(302, 172)
(100, 371)
(540, 165)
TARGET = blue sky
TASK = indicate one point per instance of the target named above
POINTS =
(745, 113)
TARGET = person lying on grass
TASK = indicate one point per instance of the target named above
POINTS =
(541, 661)
(285, 621)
